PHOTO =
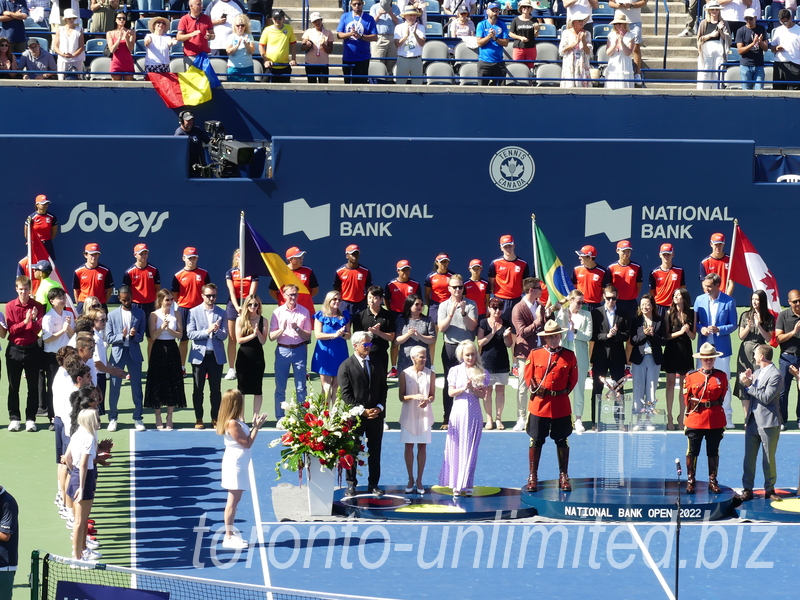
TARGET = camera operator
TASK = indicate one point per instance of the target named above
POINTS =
(197, 137)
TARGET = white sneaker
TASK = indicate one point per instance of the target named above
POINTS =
(30, 426)
(92, 544)
(66, 513)
(579, 428)
(139, 424)
(685, 33)
(234, 543)
(386, 426)
(14, 426)
(112, 425)
(70, 522)
(520, 425)
(231, 374)
(91, 555)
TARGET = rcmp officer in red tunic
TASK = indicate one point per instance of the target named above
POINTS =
(704, 390)
(550, 373)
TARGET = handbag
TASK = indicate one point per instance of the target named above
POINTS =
(107, 51)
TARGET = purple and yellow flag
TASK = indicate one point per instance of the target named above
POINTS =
(270, 264)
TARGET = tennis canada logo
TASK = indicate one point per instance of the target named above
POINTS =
(512, 169)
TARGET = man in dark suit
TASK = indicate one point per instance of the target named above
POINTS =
(762, 422)
(124, 333)
(610, 330)
(364, 384)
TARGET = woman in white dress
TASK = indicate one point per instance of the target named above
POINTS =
(576, 51)
(619, 46)
(69, 45)
(713, 41)
(417, 389)
(239, 439)
(578, 324)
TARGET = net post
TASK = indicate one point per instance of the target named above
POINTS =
(34, 580)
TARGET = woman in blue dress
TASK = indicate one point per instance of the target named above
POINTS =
(331, 328)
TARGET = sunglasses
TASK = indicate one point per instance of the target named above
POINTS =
(457, 287)
(611, 298)
(251, 305)
(367, 344)
(209, 295)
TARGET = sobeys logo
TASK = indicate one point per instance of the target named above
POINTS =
(108, 221)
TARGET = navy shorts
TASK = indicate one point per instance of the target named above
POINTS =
(62, 439)
(230, 311)
(90, 485)
(184, 314)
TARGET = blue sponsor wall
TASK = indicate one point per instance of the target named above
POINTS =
(403, 176)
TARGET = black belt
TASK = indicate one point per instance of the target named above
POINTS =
(695, 404)
(290, 345)
(545, 393)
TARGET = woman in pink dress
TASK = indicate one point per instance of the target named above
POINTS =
(120, 42)
(467, 384)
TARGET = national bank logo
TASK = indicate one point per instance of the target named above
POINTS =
(512, 169)
(108, 221)
(616, 223)
(298, 216)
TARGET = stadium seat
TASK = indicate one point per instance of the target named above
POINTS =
(177, 65)
(733, 74)
(546, 52)
(139, 48)
(602, 53)
(769, 77)
(733, 56)
(548, 72)
(769, 56)
(768, 12)
(99, 68)
(432, 6)
(602, 10)
(439, 73)
(173, 25)
(508, 52)
(378, 70)
(95, 46)
(518, 74)
(547, 31)
(255, 28)
(32, 26)
(138, 68)
(601, 32)
(176, 50)
(258, 71)
(464, 53)
(435, 50)
(141, 25)
(433, 30)
(42, 42)
(468, 70)
(220, 66)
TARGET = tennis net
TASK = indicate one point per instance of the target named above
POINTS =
(179, 587)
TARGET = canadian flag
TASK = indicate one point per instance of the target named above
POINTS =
(748, 268)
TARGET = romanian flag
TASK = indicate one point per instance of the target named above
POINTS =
(262, 260)
(186, 89)
(37, 252)
(549, 268)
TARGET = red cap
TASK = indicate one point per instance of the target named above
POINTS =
(624, 245)
(294, 252)
(442, 256)
(139, 248)
(42, 199)
(587, 251)
(717, 238)
(403, 264)
(352, 248)
(506, 240)
(666, 249)
(475, 262)
(189, 251)
(92, 248)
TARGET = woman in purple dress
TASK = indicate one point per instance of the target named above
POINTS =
(467, 384)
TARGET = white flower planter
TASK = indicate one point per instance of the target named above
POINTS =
(320, 491)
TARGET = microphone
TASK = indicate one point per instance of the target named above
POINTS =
(678, 466)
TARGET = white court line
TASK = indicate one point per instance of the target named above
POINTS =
(651, 563)
(132, 471)
(262, 548)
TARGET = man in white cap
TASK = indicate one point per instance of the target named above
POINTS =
(551, 372)
(751, 42)
(317, 43)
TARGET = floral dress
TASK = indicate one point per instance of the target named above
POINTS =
(575, 64)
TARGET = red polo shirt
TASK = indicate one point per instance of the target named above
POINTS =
(508, 276)
(142, 282)
(188, 287)
(199, 43)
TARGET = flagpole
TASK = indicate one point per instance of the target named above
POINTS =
(733, 251)
(241, 256)
(535, 250)
(30, 254)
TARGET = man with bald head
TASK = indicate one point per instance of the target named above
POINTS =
(787, 330)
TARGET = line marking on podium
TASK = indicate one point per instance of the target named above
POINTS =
(650, 562)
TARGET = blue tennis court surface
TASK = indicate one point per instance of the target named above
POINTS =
(178, 509)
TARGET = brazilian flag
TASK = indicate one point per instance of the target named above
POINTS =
(550, 269)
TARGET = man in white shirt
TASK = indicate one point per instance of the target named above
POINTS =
(409, 37)
(786, 45)
(221, 13)
(56, 332)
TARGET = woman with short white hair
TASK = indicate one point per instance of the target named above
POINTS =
(417, 388)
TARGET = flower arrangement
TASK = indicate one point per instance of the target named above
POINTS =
(315, 430)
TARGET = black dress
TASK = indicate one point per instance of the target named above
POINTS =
(678, 351)
(164, 374)
(494, 355)
(250, 365)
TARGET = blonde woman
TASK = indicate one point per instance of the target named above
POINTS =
(251, 334)
(239, 439)
(467, 384)
(331, 328)
(239, 288)
(620, 46)
(417, 389)
(713, 42)
(241, 47)
(576, 50)
(69, 45)
(577, 321)
(82, 454)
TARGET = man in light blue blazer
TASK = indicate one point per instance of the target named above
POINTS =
(207, 328)
(716, 321)
(124, 332)
(762, 422)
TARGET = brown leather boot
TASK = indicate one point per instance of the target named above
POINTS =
(534, 454)
(713, 465)
(691, 466)
(563, 464)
